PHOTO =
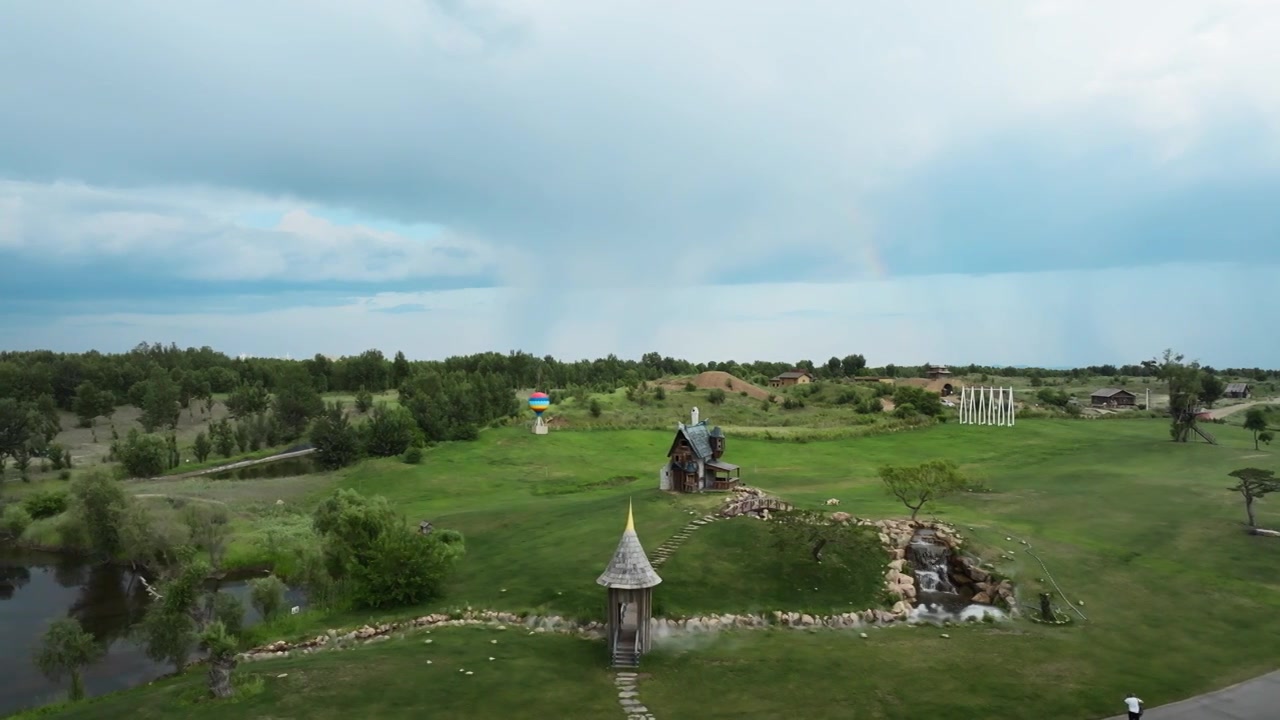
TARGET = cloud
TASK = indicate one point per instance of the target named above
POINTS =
(659, 143)
(201, 236)
(1049, 318)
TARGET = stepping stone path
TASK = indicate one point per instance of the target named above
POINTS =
(664, 551)
(629, 698)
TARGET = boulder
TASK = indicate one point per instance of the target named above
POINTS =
(982, 598)
(841, 517)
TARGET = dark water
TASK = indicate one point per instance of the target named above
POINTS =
(280, 468)
(37, 588)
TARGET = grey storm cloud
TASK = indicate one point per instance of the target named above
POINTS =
(599, 136)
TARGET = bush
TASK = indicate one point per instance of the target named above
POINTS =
(15, 520)
(46, 504)
(144, 454)
(413, 455)
(267, 596)
(689, 386)
(595, 409)
(715, 396)
(406, 568)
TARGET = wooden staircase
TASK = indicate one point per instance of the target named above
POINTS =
(624, 652)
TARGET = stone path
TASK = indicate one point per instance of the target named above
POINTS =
(629, 697)
(1256, 699)
(663, 552)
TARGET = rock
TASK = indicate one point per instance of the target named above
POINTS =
(945, 636)
(892, 576)
(841, 517)
(897, 565)
(982, 598)
(862, 635)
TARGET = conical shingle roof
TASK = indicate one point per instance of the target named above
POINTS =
(629, 569)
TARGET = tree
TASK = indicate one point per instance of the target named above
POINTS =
(364, 400)
(399, 369)
(389, 431)
(853, 364)
(337, 443)
(1211, 388)
(1255, 421)
(224, 439)
(1265, 437)
(924, 402)
(221, 646)
(101, 505)
(266, 594)
(88, 403)
(248, 399)
(296, 401)
(386, 563)
(160, 403)
(1253, 484)
(916, 485)
(144, 455)
(169, 631)
(65, 650)
(1184, 381)
(202, 448)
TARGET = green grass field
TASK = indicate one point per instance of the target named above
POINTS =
(1142, 531)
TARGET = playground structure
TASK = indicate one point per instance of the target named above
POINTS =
(987, 406)
(538, 403)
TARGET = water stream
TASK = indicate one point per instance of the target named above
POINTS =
(937, 598)
(37, 588)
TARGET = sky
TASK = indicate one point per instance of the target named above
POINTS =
(1043, 182)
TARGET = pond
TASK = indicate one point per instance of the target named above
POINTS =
(37, 588)
(288, 467)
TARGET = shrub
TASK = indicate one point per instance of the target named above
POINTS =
(405, 568)
(413, 455)
(46, 504)
(267, 596)
(595, 408)
(689, 386)
(715, 396)
(15, 520)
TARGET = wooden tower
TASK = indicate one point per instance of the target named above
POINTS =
(630, 580)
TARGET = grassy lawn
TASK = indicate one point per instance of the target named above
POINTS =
(543, 676)
(1141, 530)
(735, 563)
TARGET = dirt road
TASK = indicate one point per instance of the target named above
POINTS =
(1219, 413)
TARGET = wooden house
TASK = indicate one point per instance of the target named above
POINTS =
(694, 460)
(791, 377)
(935, 372)
(629, 579)
(1113, 397)
(1237, 390)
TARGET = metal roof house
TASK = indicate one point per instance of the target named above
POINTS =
(1113, 397)
(1237, 390)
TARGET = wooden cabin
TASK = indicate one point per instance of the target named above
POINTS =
(1113, 397)
(630, 579)
(1237, 390)
(694, 460)
(791, 377)
(934, 372)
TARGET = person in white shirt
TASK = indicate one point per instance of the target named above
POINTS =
(1135, 706)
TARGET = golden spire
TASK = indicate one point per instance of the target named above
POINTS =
(631, 521)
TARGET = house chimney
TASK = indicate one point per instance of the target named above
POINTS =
(693, 417)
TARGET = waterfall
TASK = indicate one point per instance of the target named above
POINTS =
(931, 561)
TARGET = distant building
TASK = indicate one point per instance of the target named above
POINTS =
(791, 377)
(1237, 390)
(1113, 397)
(934, 372)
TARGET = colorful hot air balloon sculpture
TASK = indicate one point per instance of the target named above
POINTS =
(538, 403)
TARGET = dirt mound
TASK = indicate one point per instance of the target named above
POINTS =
(723, 380)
